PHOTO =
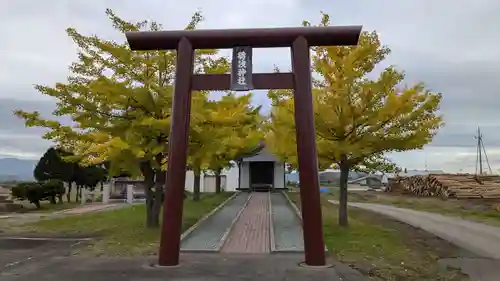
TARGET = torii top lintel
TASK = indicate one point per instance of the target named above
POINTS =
(256, 38)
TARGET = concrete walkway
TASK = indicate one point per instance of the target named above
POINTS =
(255, 223)
(480, 239)
(287, 227)
(209, 234)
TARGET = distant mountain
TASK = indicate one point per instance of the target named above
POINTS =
(16, 169)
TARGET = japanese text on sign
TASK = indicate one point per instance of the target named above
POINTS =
(242, 67)
(241, 74)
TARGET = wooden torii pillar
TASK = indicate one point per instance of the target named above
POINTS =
(185, 42)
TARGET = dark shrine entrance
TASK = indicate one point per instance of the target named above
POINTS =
(261, 176)
(242, 41)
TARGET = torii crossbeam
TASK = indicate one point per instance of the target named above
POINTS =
(185, 42)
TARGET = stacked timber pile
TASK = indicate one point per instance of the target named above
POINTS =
(395, 185)
(461, 186)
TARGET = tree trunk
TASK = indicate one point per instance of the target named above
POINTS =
(102, 186)
(53, 199)
(148, 173)
(68, 194)
(344, 175)
(196, 184)
(218, 180)
(60, 198)
(154, 199)
(160, 180)
(37, 204)
(78, 192)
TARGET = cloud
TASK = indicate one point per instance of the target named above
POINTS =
(15, 139)
(449, 45)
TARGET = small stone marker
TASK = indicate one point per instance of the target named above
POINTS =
(130, 193)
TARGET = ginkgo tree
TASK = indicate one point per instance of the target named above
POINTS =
(120, 105)
(358, 119)
(222, 129)
(242, 132)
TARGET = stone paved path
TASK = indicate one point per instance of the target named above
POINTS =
(287, 226)
(209, 234)
(250, 234)
(261, 216)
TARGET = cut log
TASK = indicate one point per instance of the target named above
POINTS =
(460, 186)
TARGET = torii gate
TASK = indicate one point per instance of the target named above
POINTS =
(242, 40)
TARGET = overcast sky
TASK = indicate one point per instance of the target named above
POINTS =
(451, 45)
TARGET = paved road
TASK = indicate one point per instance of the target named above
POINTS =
(195, 267)
(478, 238)
(17, 255)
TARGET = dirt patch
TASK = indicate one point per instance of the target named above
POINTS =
(427, 247)
(15, 244)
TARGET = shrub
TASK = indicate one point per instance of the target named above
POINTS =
(31, 191)
(52, 189)
(35, 192)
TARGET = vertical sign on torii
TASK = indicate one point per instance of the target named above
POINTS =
(241, 69)
(300, 39)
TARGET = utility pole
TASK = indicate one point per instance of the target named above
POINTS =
(479, 151)
(425, 158)
(479, 155)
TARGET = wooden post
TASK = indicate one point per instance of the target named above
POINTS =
(314, 246)
(177, 157)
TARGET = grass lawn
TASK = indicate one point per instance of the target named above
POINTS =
(123, 231)
(385, 249)
(473, 209)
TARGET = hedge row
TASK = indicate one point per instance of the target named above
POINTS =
(35, 192)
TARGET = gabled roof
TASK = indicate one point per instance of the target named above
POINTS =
(376, 177)
(252, 152)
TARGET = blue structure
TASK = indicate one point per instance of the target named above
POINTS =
(293, 177)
